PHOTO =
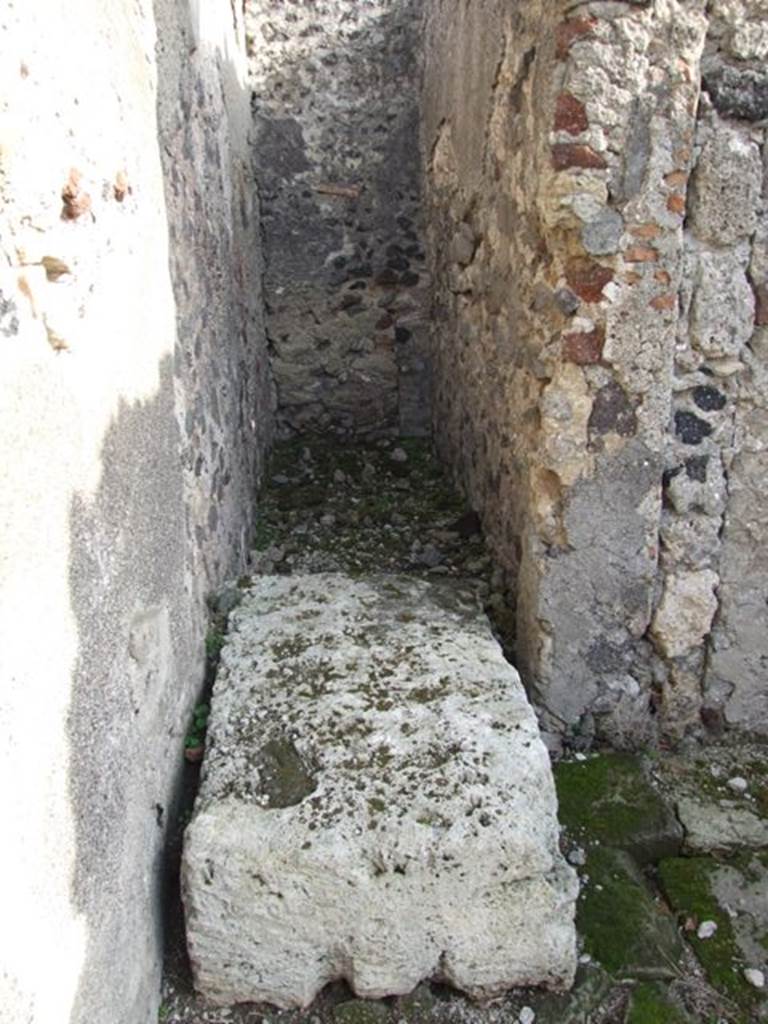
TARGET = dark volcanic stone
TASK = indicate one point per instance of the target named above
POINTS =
(738, 92)
(708, 398)
(696, 468)
(690, 428)
(613, 412)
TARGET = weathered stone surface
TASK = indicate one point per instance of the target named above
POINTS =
(710, 826)
(685, 612)
(726, 186)
(416, 835)
(738, 92)
(601, 235)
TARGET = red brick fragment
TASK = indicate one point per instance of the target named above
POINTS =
(641, 254)
(584, 347)
(571, 154)
(664, 302)
(570, 115)
(649, 230)
(567, 32)
(676, 178)
(676, 203)
(587, 278)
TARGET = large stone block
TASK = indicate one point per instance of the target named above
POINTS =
(376, 805)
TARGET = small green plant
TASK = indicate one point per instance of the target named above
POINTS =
(163, 1013)
(196, 735)
(214, 641)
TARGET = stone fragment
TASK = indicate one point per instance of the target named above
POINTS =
(723, 304)
(738, 784)
(407, 826)
(587, 278)
(725, 187)
(685, 612)
(602, 235)
(613, 412)
(570, 114)
(527, 1015)
(690, 428)
(463, 245)
(738, 92)
(584, 347)
(755, 977)
(641, 254)
(711, 826)
(566, 155)
(706, 929)
(570, 31)
(568, 303)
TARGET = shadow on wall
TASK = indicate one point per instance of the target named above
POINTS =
(336, 114)
(126, 718)
(172, 516)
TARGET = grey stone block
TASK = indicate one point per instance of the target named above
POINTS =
(377, 803)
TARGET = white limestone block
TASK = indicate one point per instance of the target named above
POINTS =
(376, 804)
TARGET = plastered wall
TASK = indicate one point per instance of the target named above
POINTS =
(135, 409)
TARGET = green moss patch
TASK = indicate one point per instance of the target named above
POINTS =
(359, 1011)
(686, 882)
(608, 798)
(624, 928)
(649, 1004)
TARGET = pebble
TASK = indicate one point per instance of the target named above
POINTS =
(339, 476)
(526, 1015)
(580, 757)
(706, 929)
(280, 479)
(585, 958)
(430, 556)
(398, 455)
(577, 857)
(754, 977)
(328, 520)
(737, 784)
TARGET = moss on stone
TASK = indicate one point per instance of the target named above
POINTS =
(624, 929)
(686, 882)
(360, 1011)
(283, 776)
(608, 798)
(649, 1004)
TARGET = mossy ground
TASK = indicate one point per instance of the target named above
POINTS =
(609, 799)
(687, 884)
(649, 1004)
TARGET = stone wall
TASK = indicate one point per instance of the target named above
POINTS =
(336, 106)
(135, 409)
(597, 237)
